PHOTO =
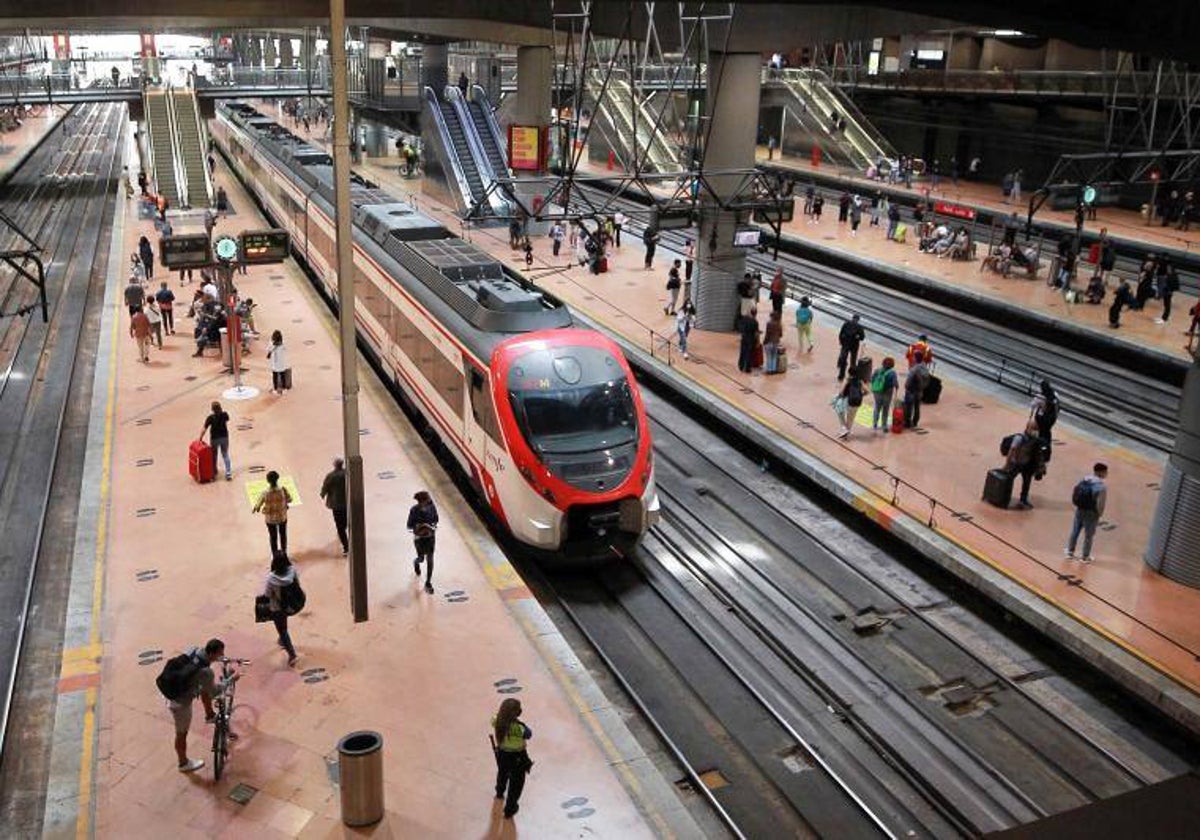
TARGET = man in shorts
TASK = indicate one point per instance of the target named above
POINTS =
(203, 685)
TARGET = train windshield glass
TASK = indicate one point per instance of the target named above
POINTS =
(572, 400)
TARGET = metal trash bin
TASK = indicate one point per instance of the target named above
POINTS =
(360, 769)
(226, 350)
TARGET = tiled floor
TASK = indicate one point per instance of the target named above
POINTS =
(15, 144)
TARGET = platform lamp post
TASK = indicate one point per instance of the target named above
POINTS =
(345, 272)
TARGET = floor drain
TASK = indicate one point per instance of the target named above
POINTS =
(257, 468)
(242, 793)
(309, 342)
(143, 387)
(314, 675)
(386, 475)
(713, 779)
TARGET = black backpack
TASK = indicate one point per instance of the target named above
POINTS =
(1084, 495)
(178, 675)
(854, 393)
(292, 597)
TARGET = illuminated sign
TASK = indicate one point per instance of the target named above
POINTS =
(524, 147)
(746, 237)
(227, 248)
(956, 210)
(264, 246)
(189, 250)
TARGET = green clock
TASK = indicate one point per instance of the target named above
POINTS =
(227, 248)
(1089, 195)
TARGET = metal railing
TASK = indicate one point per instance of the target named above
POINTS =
(1064, 83)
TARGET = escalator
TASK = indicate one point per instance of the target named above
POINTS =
(859, 141)
(488, 132)
(453, 151)
(161, 145)
(191, 147)
(634, 131)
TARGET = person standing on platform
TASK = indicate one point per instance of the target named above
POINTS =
(146, 254)
(619, 220)
(1089, 498)
(162, 204)
(556, 238)
(280, 579)
(650, 240)
(884, 384)
(843, 207)
(217, 427)
(804, 325)
(196, 679)
(778, 291)
(333, 491)
(135, 296)
(1167, 284)
(143, 183)
(818, 206)
(1122, 298)
(920, 346)
(155, 318)
(772, 339)
(748, 331)
(1016, 185)
(139, 331)
(855, 215)
(273, 502)
(674, 282)
(281, 371)
(689, 262)
(1024, 458)
(210, 223)
(772, 143)
(849, 400)
(166, 305)
(1044, 412)
(878, 207)
(684, 319)
(893, 217)
(914, 389)
(509, 735)
(850, 338)
(809, 195)
(423, 522)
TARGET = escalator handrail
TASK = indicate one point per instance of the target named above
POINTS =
(194, 111)
(181, 181)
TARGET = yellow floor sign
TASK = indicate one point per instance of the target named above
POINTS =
(256, 486)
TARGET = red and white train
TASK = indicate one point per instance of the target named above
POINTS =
(544, 417)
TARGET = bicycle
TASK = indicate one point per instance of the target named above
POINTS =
(223, 712)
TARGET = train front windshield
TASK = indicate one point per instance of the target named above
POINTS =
(572, 400)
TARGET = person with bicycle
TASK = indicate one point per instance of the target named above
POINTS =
(184, 678)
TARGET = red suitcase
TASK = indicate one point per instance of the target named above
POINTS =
(897, 420)
(200, 461)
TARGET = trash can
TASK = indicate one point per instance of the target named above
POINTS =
(360, 769)
(226, 350)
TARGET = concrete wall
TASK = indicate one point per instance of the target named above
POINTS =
(1010, 56)
(1063, 56)
(965, 53)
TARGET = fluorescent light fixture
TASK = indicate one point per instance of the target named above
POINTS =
(1008, 33)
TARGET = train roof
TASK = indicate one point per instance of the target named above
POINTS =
(452, 278)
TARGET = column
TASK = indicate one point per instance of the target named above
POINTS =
(286, 56)
(269, 51)
(434, 72)
(1174, 548)
(732, 103)
(377, 51)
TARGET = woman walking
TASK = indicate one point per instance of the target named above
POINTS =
(684, 319)
(281, 372)
(282, 575)
(849, 400)
(509, 735)
(146, 254)
(273, 502)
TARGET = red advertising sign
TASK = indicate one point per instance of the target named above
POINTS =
(958, 211)
(524, 148)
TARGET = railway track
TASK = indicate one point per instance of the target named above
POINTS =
(794, 663)
(1098, 395)
(63, 197)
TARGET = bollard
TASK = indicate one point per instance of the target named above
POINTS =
(360, 769)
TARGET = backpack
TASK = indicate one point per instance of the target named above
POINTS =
(1006, 445)
(1084, 495)
(854, 394)
(178, 675)
(803, 315)
(879, 381)
(292, 598)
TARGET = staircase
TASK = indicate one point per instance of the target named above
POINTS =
(162, 156)
(191, 147)
(462, 150)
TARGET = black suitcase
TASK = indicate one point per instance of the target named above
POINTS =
(865, 367)
(997, 489)
(933, 390)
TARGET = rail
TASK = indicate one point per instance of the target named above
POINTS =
(1058, 83)
(182, 188)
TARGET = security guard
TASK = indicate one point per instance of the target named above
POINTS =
(509, 735)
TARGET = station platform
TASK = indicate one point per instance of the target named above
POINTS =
(16, 145)
(1139, 615)
(168, 563)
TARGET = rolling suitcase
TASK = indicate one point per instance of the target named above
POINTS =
(200, 462)
(865, 368)
(933, 390)
(897, 420)
(783, 361)
(997, 489)
(287, 380)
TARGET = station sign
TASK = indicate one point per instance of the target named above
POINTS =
(187, 250)
(524, 148)
(264, 246)
(957, 211)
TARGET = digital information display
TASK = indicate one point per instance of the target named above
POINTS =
(264, 246)
(524, 147)
(746, 237)
(188, 250)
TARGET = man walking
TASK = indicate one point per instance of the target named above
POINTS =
(619, 219)
(423, 521)
(166, 305)
(333, 491)
(135, 296)
(850, 337)
(183, 679)
(139, 331)
(556, 237)
(216, 425)
(650, 240)
(1088, 497)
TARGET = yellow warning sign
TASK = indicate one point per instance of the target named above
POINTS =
(256, 486)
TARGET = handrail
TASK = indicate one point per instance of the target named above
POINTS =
(181, 182)
(149, 135)
(489, 116)
(449, 154)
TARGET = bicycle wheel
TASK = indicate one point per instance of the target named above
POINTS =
(220, 746)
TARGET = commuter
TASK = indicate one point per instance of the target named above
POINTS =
(1089, 497)
(772, 339)
(513, 764)
(884, 384)
(1096, 290)
(689, 261)
(209, 287)
(818, 205)
(143, 183)
(146, 254)
(809, 193)
(463, 84)
(514, 234)
(1044, 412)
(935, 173)
(280, 580)
(1122, 298)
(210, 222)
(135, 296)
(850, 338)
(212, 164)
(527, 249)
(183, 679)
(772, 143)
(155, 318)
(914, 389)
(333, 491)
(1006, 186)
(673, 285)
(804, 325)
(161, 204)
(273, 502)
(685, 318)
(748, 330)
(1186, 209)
(1105, 255)
(217, 427)
(556, 237)
(619, 219)
(1168, 284)
(1145, 284)
(139, 331)
(855, 215)
(1024, 457)
(166, 305)
(650, 240)
(848, 402)
(843, 207)
(879, 207)
(423, 522)
(778, 291)
(281, 371)
(922, 346)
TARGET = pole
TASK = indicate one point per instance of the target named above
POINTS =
(345, 272)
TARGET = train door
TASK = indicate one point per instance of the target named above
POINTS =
(483, 431)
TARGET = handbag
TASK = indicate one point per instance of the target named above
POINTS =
(262, 609)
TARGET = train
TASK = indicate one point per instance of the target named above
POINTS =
(544, 416)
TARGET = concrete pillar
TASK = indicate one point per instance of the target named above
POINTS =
(286, 55)
(732, 102)
(1174, 548)
(535, 79)
(376, 68)
(269, 51)
(434, 72)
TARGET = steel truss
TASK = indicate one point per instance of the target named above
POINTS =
(18, 259)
